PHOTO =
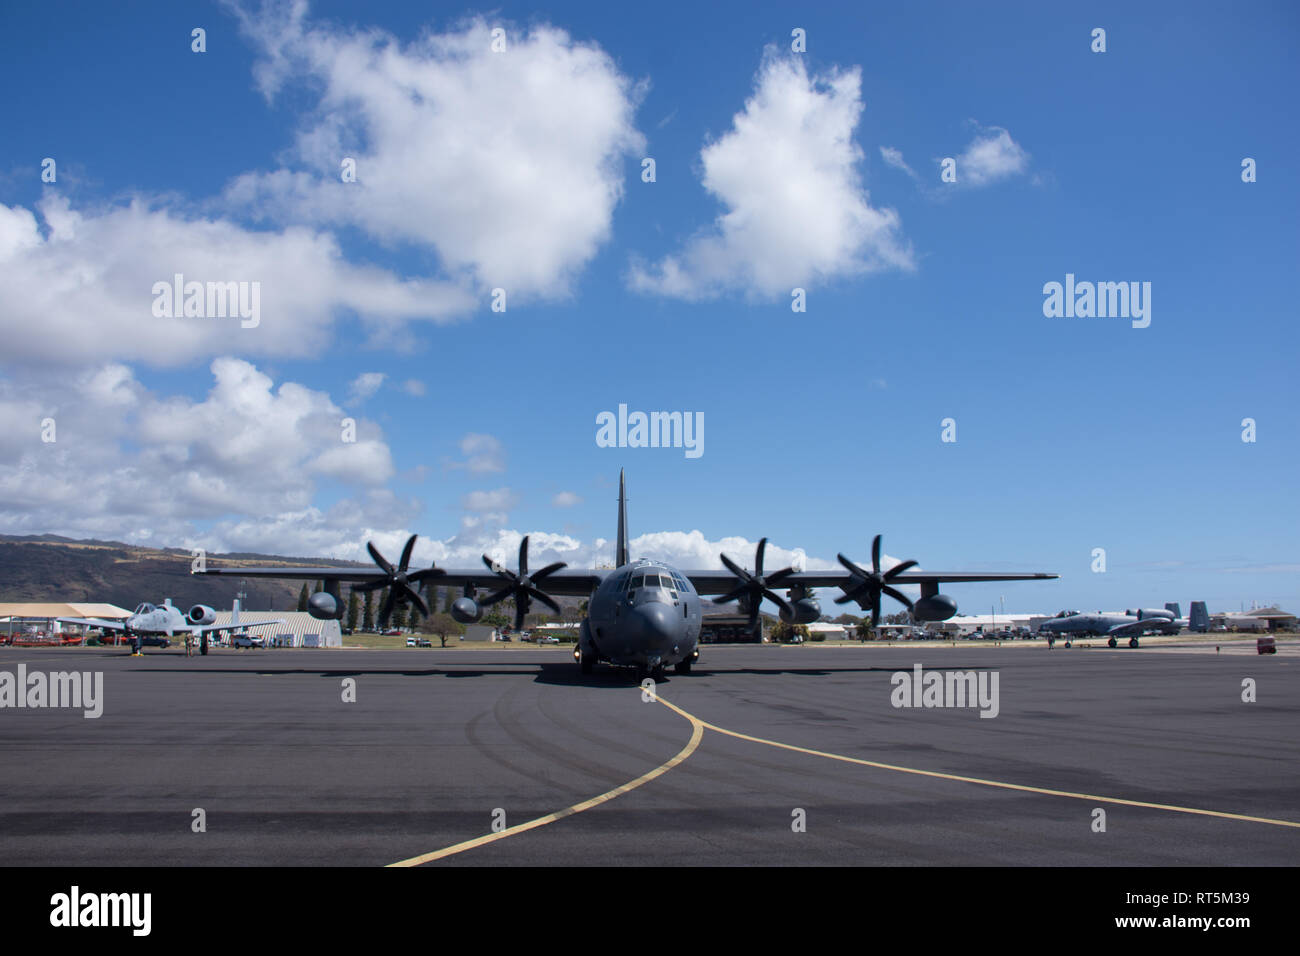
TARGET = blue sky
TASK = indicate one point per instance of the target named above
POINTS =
(822, 428)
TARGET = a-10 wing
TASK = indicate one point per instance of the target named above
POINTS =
(181, 629)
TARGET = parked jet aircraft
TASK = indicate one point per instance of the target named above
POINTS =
(1131, 624)
(643, 614)
(150, 620)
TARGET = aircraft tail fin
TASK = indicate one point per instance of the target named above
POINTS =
(1200, 619)
(1175, 607)
(620, 556)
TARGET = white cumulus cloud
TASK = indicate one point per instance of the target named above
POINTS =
(787, 174)
(990, 156)
(508, 164)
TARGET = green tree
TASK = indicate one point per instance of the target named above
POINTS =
(368, 613)
(302, 597)
(447, 600)
(353, 608)
(399, 616)
(443, 625)
(495, 619)
(783, 633)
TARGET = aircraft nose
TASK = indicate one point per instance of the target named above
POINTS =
(655, 625)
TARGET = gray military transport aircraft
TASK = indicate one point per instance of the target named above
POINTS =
(148, 621)
(642, 614)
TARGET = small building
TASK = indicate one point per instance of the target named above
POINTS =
(828, 631)
(299, 629)
(1256, 619)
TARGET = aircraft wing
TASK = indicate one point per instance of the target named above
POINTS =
(575, 582)
(580, 582)
(1139, 627)
(721, 581)
(93, 622)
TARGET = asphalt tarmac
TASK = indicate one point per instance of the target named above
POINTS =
(453, 750)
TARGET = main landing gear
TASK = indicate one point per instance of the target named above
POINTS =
(1111, 643)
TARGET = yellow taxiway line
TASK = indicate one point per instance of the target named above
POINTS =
(697, 732)
(698, 727)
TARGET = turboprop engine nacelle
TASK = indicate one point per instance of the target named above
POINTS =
(466, 610)
(937, 607)
(201, 614)
(324, 606)
(806, 610)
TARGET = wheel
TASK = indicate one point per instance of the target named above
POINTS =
(1132, 642)
(586, 662)
(657, 672)
(1067, 643)
(683, 667)
(1111, 642)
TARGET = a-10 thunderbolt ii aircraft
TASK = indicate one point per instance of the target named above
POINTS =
(149, 621)
(1131, 624)
(642, 614)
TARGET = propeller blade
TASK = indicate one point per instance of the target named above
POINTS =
(497, 596)
(849, 565)
(899, 569)
(758, 557)
(774, 579)
(778, 601)
(875, 613)
(386, 610)
(523, 557)
(898, 596)
(418, 601)
(378, 558)
(875, 554)
(549, 569)
(405, 561)
(371, 586)
(425, 575)
(734, 568)
(545, 599)
(731, 595)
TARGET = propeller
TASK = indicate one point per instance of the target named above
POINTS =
(522, 586)
(754, 587)
(398, 581)
(873, 583)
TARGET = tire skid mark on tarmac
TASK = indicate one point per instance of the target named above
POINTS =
(698, 727)
(697, 733)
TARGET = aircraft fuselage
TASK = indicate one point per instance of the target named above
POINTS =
(645, 614)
